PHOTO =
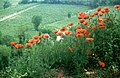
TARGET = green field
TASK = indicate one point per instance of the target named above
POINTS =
(13, 9)
(51, 14)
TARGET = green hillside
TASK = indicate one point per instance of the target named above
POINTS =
(50, 14)
(13, 2)
(1, 4)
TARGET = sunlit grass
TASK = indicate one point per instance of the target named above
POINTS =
(51, 14)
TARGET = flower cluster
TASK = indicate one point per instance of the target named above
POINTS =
(82, 30)
(35, 39)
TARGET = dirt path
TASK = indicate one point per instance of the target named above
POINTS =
(16, 13)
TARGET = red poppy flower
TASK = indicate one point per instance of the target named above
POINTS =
(101, 23)
(81, 21)
(94, 27)
(29, 44)
(59, 33)
(55, 31)
(89, 39)
(86, 17)
(79, 31)
(79, 35)
(31, 41)
(85, 23)
(18, 46)
(99, 9)
(45, 36)
(38, 40)
(100, 15)
(60, 75)
(68, 32)
(103, 11)
(70, 49)
(63, 28)
(13, 43)
(95, 13)
(92, 15)
(82, 14)
(78, 27)
(36, 37)
(101, 64)
(102, 26)
(106, 9)
(101, 19)
(70, 24)
(87, 33)
(79, 17)
(116, 6)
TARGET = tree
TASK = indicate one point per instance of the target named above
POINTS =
(6, 4)
(36, 20)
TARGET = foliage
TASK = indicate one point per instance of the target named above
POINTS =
(6, 4)
(6, 39)
(69, 15)
(36, 20)
(4, 56)
(96, 3)
(108, 49)
(24, 1)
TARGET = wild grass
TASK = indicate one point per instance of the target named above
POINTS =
(49, 13)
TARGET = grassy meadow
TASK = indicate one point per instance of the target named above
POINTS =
(50, 15)
(59, 41)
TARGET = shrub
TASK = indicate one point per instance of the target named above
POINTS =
(36, 20)
(69, 15)
(6, 4)
(4, 56)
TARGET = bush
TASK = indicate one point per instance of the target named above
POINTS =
(4, 56)
(36, 20)
(69, 15)
(6, 4)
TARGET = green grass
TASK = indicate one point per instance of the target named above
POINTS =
(13, 9)
(13, 2)
(50, 13)
(1, 4)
